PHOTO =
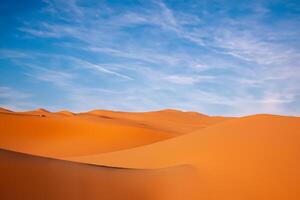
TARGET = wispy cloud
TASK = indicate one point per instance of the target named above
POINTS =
(59, 78)
(14, 99)
(188, 79)
(9, 93)
(98, 68)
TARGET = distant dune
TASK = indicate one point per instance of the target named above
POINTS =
(64, 134)
(3, 110)
(65, 112)
(175, 121)
(57, 135)
(158, 155)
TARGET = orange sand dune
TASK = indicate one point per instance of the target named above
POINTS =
(211, 158)
(64, 134)
(39, 111)
(65, 112)
(45, 113)
(60, 136)
(169, 120)
(255, 157)
(5, 110)
(25, 177)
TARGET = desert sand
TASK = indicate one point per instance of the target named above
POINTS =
(166, 154)
(31, 177)
(3, 110)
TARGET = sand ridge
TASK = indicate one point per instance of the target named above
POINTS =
(4, 110)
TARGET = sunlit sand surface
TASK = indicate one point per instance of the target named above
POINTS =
(165, 154)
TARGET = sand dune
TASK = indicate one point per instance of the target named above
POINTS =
(157, 155)
(25, 177)
(175, 121)
(65, 112)
(3, 110)
(39, 111)
(64, 134)
(60, 135)
(255, 157)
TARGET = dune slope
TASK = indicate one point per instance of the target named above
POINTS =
(64, 134)
(175, 121)
(254, 157)
(3, 110)
(211, 158)
(60, 136)
(25, 177)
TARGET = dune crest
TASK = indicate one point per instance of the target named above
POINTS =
(42, 110)
(176, 121)
(4, 110)
(66, 112)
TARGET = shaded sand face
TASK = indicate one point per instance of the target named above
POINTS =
(31, 177)
(156, 155)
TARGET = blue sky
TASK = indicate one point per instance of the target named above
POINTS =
(215, 57)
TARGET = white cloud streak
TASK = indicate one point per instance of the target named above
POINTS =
(14, 99)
